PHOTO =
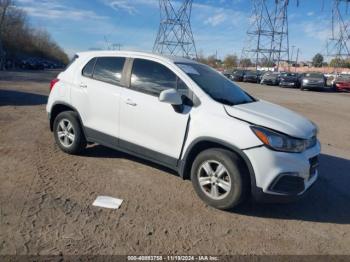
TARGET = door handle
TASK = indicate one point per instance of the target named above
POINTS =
(130, 102)
(83, 85)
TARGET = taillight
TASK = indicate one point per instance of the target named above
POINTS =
(53, 82)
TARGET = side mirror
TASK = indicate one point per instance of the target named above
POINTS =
(170, 96)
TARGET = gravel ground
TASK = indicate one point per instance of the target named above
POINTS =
(46, 196)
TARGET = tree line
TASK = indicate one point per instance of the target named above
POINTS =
(318, 61)
(19, 40)
(232, 61)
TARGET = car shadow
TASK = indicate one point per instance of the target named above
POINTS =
(19, 98)
(328, 201)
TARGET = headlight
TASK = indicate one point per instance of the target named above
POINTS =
(305, 80)
(278, 141)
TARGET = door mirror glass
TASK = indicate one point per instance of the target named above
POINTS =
(170, 96)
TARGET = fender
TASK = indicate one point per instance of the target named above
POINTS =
(187, 158)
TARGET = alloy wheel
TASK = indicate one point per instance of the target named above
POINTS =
(214, 179)
(65, 132)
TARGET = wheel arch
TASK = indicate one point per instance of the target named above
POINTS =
(60, 107)
(204, 143)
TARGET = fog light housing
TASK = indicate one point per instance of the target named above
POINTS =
(288, 183)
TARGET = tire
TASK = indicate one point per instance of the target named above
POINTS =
(214, 189)
(68, 133)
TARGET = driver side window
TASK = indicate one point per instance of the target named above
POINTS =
(152, 78)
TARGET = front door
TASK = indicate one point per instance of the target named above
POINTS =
(148, 126)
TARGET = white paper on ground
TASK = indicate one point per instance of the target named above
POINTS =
(107, 202)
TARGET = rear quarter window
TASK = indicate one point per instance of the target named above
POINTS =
(89, 68)
(109, 69)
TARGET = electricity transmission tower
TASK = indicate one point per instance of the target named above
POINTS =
(338, 46)
(175, 34)
(267, 38)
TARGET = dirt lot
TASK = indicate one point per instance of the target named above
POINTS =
(46, 195)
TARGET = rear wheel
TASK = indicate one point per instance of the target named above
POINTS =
(219, 179)
(68, 133)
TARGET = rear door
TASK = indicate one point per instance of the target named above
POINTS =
(147, 126)
(100, 87)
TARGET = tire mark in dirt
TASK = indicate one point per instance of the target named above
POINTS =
(72, 212)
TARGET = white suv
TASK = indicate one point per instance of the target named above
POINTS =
(188, 117)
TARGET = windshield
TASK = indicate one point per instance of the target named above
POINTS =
(347, 77)
(239, 72)
(251, 73)
(288, 74)
(314, 75)
(215, 85)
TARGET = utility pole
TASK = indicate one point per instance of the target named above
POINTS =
(108, 45)
(267, 38)
(116, 46)
(296, 60)
(175, 34)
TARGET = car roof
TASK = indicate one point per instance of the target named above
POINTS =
(168, 58)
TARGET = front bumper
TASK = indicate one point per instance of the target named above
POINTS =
(250, 79)
(342, 88)
(292, 84)
(269, 82)
(313, 85)
(280, 176)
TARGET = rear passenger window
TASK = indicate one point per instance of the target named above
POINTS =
(89, 68)
(109, 69)
(151, 77)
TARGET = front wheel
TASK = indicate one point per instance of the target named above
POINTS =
(219, 179)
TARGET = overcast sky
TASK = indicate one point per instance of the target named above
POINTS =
(218, 25)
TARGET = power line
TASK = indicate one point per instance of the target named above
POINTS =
(175, 34)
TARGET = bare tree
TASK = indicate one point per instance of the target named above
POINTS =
(230, 61)
(4, 6)
(20, 40)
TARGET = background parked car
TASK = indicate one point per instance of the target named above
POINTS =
(342, 83)
(228, 75)
(313, 81)
(252, 76)
(238, 75)
(270, 78)
(288, 80)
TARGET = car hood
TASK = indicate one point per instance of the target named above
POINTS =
(275, 117)
(347, 81)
